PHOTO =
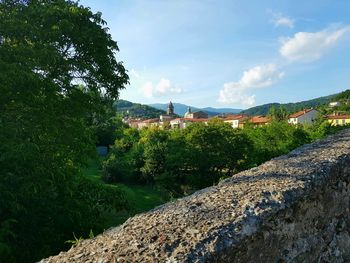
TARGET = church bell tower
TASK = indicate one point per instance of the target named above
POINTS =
(170, 110)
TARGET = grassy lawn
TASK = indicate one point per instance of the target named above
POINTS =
(141, 197)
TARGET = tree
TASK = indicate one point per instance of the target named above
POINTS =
(125, 158)
(214, 150)
(278, 114)
(57, 64)
(345, 95)
(275, 139)
(154, 142)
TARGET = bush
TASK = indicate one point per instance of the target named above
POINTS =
(116, 170)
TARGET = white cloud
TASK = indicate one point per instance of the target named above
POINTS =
(280, 20)
(260, 76)
(257, 77)
(305, 46)
(284, 21)
(232, 93)
(163, 88)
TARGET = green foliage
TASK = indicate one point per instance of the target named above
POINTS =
(47, 47)
(321, 128)
(6, 233)
(125, 159)
(74, 241)
(105, 125)
(179, 160)
(116, 169)
(154, 153)
(278, 114)
(345, 95)
(214, 149)
(275, 139)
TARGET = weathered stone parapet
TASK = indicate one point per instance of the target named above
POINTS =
(294, 208)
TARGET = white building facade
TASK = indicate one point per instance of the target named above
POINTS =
(303, 117)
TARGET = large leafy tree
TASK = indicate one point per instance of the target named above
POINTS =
(278, 114)
(275, 139)
(215, 150)
(58, 67)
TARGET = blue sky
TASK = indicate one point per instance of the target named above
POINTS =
(235, 54)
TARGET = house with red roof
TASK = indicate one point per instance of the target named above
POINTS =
(306, 116)
(182, 123)
(236, 120)
(339, 119)
(148, 123)
(259, 120)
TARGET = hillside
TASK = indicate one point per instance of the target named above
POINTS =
(181, 109)
(136, 110)
(290, 107)
(221, 110)
(343, 96)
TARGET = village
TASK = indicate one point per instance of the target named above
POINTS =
(170, 119)
(174, 131)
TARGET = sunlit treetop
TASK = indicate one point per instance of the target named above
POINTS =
(63, 42)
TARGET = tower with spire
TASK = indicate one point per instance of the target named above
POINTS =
(188, 113)
(170, 110)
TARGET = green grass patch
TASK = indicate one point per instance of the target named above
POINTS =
(141, 197)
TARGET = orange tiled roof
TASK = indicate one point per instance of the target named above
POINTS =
(234, 117)
(259, 119)
(299, 113)
(338, 117)
(151, 120)
(191, 119)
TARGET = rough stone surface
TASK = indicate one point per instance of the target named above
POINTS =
(294, 208)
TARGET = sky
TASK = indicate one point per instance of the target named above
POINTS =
(237, 54)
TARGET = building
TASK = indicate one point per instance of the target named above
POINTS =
(134, 123)
(170, 110)
(155, 122)
(170, 114)
(195, 115)
(303, 117)
(188, 113)
(182, 123)
(334, 104)
(259, 120)
(339, 119)
(236, 121)
(148, 123)
(165, 117)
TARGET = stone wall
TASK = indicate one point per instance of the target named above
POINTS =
(294, 208)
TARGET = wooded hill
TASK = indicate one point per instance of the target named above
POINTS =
(291, 107)
(136, 110)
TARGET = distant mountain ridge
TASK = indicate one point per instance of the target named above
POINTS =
(181, 109)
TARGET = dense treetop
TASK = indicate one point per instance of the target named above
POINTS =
(61, 41)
